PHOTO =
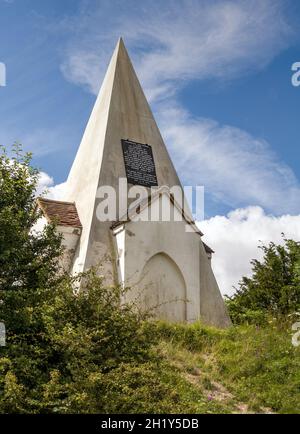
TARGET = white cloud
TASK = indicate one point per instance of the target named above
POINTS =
(236, 168)
(46, 183)
(173, 42)
(57, 191)
(235, 238)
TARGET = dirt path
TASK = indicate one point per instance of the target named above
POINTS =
(213, 390)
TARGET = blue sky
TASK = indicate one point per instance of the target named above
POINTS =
(218, 77)
(56, 53)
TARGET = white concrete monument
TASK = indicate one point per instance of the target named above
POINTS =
(152, 245)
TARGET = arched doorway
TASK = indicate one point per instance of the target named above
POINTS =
(163, 288)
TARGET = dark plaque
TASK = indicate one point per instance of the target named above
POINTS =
(139, 163)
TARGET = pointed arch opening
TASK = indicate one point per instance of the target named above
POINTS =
(163, 288)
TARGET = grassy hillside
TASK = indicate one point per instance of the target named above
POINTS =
(244, 369)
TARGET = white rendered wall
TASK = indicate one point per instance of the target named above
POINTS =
(143, 240)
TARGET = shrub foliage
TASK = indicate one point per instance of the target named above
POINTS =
(63, 347)
(273, 289)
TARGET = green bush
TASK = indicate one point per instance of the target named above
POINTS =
(273, 289)
(67, 340)
(58, 340)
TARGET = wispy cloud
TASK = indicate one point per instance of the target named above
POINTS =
(173, 42)
(235, 168)
(41, 141)
(235, 238)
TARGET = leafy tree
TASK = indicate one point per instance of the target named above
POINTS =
(274, 287)
(27, 260)
(59, 342)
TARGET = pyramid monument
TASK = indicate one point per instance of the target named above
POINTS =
(163, 260)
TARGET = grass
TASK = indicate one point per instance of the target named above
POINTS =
(244, 369)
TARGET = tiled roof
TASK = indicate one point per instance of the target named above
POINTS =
(60, 212)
